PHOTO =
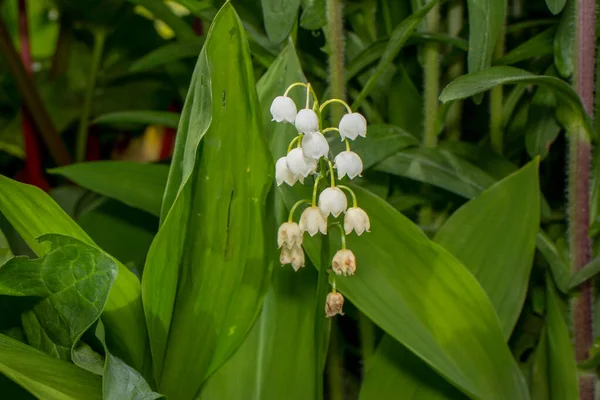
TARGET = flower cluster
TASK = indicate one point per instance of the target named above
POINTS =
(308, 156)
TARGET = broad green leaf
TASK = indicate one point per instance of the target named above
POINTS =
(165, 118)
(206, 273)
(468, 85)
(397, 40)
(396, 264)
(72, 282)
(289, 312)
(384, 141)
(562, 369)
(556, 6)
(167, 54)
(137, 185)
(565, 41)
(542, 127)
(440, 168)
(279, 16)
(537, 46)
(33, 214)
(494, 236)
(120, 381)
(486, 20)
(44, 376)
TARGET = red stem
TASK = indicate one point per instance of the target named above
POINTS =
(579, 185)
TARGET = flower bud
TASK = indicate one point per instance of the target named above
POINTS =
(344, 263)
(334, 304)
(294, 256)
(348, 163)
(289, 234)
(314, 145)
(299, 165)
(283, 173)
(353, 125)
(356, 219)
(283, 109)
(307, 121)
(312, 221)
(332, 201)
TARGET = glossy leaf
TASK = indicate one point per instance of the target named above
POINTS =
(135, 184)
(206, 272)
(495, 237)
(33, 214)
(280, 16)
(472, 84)
(486, 19)
(167, 54)
(164, 118)
(564, 41)
(397, 40)
(72, 282)
(396, 264)
(440, 168)
(44, 376)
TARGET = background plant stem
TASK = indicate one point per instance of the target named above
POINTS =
(431, 78)
(579, 190)
(335, 38)
(82, 133)
(496, 102)
(335, 366)
(455, 23)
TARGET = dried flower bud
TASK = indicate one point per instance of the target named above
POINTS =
(294, 256)
(334, 304)
(344, 263)
(289, 234)
(312, 221)
(283, 109)
(356, 219)
(353, 125)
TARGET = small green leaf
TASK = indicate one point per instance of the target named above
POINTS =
(397, 40)
(167, 54)
(280, 16)
(44, 376)
(564, 41)
(165, 118)
(137, 185)
(313, 15)
(486, 18)
(72, 281)
(538, 46)
(495, 238)
(556, 6)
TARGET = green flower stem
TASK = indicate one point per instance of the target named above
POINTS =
(308, 96)
(82, 133)
(342, 233)
(336, 101)
(335, 45)
(294, 140)
(332, 129)
(347, 144)
(331, 173)
(579, 191)
(315, 189)
(295, 206)
(293, 85)
(431, 78)
(347, 189)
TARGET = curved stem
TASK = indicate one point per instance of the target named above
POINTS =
(347, 144)
(82, 134)
(294, 207)
(330, 101)
(315, 188)
(293, 85)
(342, 233)
(294, 140)
(347, 189)
(331, 129)
(331, 173)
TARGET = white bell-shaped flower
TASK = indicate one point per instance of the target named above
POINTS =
(294, 256)
(299, 165)
(283, 173)
(352, 126)
(332, 201)
(344, 263)
(356, 219)
(348, 163)
(312, 221)
(314, 145)
(283, 109)
(289, 234)
(307, 121)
